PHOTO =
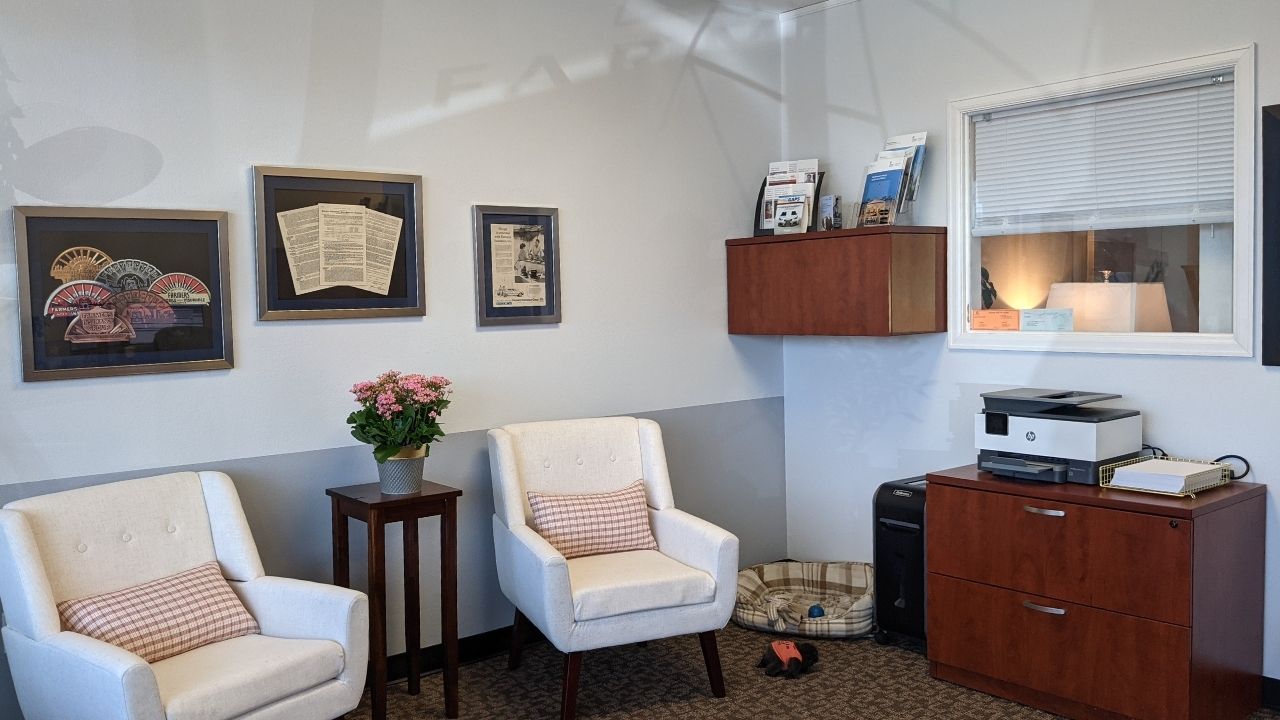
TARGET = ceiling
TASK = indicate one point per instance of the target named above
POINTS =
(775, 6)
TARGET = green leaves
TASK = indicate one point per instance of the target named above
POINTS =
(412, 426)
(382, 452)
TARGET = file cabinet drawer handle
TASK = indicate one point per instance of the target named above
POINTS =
(1043, 511)
(1043, 608)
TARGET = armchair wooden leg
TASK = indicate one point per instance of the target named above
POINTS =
(519, 628)
(711, 654)
(569, 695)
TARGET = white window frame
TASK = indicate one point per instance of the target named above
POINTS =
(964, 274)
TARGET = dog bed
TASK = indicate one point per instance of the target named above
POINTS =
(776, 597)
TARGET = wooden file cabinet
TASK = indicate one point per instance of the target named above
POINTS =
(1094, 603)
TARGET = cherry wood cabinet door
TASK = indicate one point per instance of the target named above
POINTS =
(1120, 663)
(1110, 559)
(875, 281)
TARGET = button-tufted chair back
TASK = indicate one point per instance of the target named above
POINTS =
(575, 456)
(107, 537)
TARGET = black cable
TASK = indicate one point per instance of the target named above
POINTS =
(1234, 476)
(1155, 451)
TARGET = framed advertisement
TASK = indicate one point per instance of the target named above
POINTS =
(517, 265)
(338, 244)
(111, 291)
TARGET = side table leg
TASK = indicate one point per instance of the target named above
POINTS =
(377, 615)
(412, 615)
(341, 548)
(449, 604)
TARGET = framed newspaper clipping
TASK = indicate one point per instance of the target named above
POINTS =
(517, 265)
(113, 291)
(338, 244)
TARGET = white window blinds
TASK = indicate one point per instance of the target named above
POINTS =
(1146, 157)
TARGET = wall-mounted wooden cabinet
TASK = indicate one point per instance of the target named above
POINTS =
(861, 281)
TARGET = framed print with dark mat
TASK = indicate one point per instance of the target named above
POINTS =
(112, 291)
(517, 264)
(338, 244)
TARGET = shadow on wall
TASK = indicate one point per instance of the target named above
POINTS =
(93, 164)
(83, 165)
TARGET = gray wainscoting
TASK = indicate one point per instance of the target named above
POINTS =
(726, 464)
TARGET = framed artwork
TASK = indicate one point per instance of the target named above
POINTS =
(110, 291)
(338, 244)
(1271, 235)
(517, 265)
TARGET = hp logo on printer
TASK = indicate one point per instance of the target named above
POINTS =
(1031, 437)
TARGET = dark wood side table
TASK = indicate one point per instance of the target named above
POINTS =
(367, 503)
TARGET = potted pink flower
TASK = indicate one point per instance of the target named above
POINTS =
(399, 416)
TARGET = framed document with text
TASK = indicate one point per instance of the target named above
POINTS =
(338, 244)
(517, 265)
(113, 291)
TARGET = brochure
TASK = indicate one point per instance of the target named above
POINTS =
(914, 142)
(768, 213)
(792, 214)
(907, 156)
(882, 192)
(829, 217)
(808, 169)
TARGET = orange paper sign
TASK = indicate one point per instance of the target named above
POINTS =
(994, 320)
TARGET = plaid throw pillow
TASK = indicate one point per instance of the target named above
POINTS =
(165, 617)
(594, 523)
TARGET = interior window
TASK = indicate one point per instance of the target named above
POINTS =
(1125, 280)
(1116, 205)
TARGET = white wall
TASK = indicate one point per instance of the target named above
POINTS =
(859, 411)
(648, 124)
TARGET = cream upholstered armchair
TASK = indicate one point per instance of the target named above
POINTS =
(308, 662)
(685, 586)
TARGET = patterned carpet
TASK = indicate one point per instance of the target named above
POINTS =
(666, 679)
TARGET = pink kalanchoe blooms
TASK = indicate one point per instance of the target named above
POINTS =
(385, 400)
(362, 390)
(387, 405)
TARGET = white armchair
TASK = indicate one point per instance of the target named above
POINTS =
(685, 586)
(308, 662)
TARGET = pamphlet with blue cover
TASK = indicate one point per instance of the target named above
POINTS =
(913, 142)
(907, 155)
(882, 193)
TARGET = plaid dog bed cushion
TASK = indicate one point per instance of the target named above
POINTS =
(776, 597)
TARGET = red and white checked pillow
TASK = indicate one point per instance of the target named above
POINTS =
(594, 523)
(165, 617)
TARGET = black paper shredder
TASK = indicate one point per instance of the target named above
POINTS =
(899, 559)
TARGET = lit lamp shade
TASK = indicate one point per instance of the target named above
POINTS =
(1113, 307)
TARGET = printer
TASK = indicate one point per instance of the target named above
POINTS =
(1049, 435)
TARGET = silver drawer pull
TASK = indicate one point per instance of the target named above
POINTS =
(1043, 608)
(1042, 511)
